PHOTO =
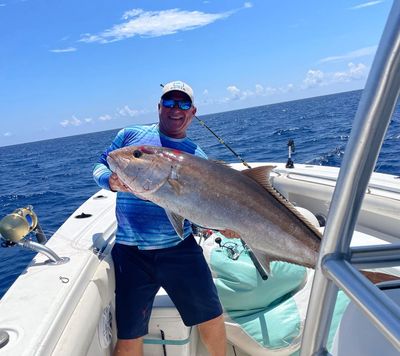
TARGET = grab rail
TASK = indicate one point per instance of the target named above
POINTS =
(333, 269)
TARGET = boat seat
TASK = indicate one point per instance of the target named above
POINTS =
(275, 330)
(358, 336)
(167, 332)
(262, 317)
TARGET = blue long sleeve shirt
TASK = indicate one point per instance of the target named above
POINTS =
(140, 222)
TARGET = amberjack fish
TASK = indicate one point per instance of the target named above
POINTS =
(213, 195)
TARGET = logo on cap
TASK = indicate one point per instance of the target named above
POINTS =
(178, 86)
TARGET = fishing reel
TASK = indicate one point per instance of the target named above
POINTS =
(231, 248)
(16, 227)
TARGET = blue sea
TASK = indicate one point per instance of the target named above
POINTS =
(55, 176)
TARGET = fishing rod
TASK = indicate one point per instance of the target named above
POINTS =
(223, 142)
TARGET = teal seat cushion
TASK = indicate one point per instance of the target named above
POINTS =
(269, 311)
(263, 308)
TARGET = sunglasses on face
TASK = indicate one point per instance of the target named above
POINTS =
(171, 103)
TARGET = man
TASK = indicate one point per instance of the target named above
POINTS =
(148, 253)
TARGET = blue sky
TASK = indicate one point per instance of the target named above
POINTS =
(71, 67)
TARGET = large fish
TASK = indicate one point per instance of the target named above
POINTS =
(213, 195)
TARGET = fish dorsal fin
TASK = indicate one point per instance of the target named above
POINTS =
(261, 176)
(176, 221)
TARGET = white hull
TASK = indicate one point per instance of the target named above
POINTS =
(66, 309)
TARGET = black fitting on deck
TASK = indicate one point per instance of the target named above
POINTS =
(291, 148)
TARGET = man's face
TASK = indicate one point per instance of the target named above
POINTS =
(175, 121)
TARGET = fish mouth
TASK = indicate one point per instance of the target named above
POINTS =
(114, 164)
(111, 162)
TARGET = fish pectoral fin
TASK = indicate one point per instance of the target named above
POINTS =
(174, 183)
(176, 221)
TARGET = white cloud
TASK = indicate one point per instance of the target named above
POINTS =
(316, 78)
(72, 122)
(2, 5)
(355, 72)
(362, 52)
(261, 91)
(234, 91)
(154, 24)
(258, 91)
(247, 5)
(313, 78)
(63, 50)
(205, 92)
(127, 111)
(7, 134)
(366, 4)
(132, 13)
(105, 117)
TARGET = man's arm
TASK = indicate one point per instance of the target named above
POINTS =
(230, 234)
(101, 171)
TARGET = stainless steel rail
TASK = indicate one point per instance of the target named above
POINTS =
(43, 249)
(333, 269)
(375, 256)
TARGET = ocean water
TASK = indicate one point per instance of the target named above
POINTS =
(54, 176)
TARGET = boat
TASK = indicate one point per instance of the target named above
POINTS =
(63, 303)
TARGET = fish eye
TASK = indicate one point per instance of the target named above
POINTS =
(137, 153)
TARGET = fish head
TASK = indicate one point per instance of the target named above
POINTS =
(143, 169)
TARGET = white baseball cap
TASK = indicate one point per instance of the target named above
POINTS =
(177, 85)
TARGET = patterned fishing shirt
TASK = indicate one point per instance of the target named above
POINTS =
(140, 222)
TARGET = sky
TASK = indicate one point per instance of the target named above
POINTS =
(72, 67)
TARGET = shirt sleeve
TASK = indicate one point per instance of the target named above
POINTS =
(101, 170)
(199, 152)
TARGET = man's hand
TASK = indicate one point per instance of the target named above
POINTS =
(230, 234)
(116, 185)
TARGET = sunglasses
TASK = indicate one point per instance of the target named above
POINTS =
(171, 103)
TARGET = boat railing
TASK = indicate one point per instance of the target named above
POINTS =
(335, 267)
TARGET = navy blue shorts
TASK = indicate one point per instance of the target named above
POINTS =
(181, 270)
